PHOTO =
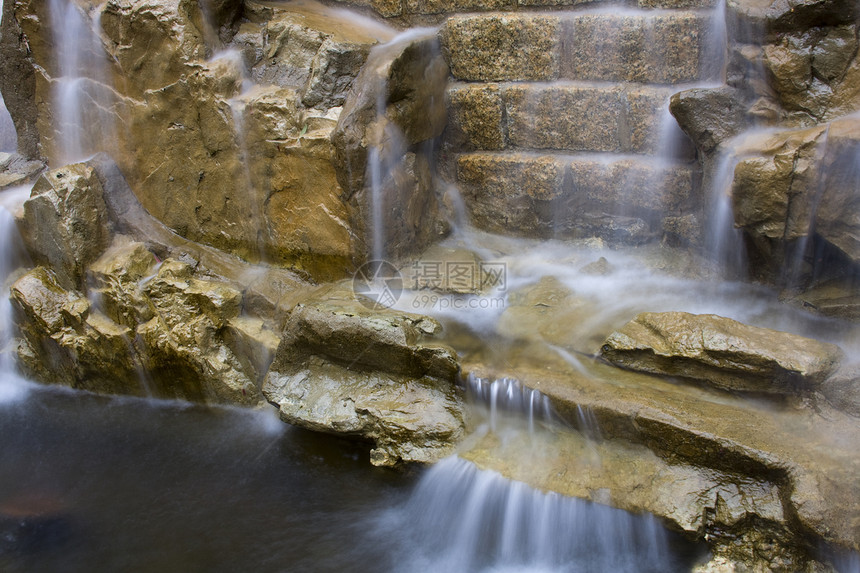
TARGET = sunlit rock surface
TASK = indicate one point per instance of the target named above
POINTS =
(346, 369)
(722, 352)
(66, 222)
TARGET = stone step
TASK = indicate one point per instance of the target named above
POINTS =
(428, 7)
(627, 199)
(622, 118)
(654, 47)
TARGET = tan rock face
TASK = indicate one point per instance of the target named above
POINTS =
(722, 352)
(799, 182)
(65, 222)
(384, 142)
(342, 368)
(192, 165)
(152, 333)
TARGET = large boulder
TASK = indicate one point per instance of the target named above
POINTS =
(66, 222)
(794, 184)
(709, 116)
(392, 116)
(155, 329)
(722, 352)
(347, 369)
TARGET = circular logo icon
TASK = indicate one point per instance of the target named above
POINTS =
(377, 284)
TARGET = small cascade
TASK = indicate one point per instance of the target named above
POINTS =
(466, 519)
(12, 255)
(387, 183)
(509, 396)
(723, 242)
(8, 137)
(83, 97)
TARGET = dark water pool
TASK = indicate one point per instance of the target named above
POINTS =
(93, 483)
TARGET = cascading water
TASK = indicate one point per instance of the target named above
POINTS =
(8, 137)
(470, 520)
(11, 256)
(82, 94)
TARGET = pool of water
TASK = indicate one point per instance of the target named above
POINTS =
(95, 483)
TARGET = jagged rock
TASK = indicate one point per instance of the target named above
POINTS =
(304, 219)
(73, 344)
(16, 170)
(161, 334)
(722, 352)
(18, 83)
(345, 369)
(315, 53)
(399, 140)
(748, 18)
(709, 116)
(189, 164)
(798, 182)
(66, 222)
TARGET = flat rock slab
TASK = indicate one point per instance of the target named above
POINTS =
(346, 369)
(722, 352)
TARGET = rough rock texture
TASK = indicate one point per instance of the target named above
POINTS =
(199, 326)
(757, 484)
(66, 222)
(796, 183)
(346, 369)
(18, 84)
(550, 195)
(218, 168)
(722, 352)
(709, 116)
(17, 170)
(384, 140)
(502, 47)
(161, 338)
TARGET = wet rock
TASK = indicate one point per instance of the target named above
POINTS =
(447, 270)
(66, 222)
(709, 116)
(17, 170)
(18, 84)
(656, 49)
(345, 369)
(116, 278)
(304, 220)
(476, 117)
(722, 352)
(305, 50)
(842, 389)
(153, 330)
(797, 181)
(405, 81)
(501, 47)
(74, 345)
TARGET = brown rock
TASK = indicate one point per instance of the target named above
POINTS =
(66, 222)
(500, 47)
(345, 369)
(709, 116)
(722, 352)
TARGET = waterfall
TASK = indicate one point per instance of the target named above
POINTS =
(8, 137)
(11, 256)
(466, 519)
(82, 93)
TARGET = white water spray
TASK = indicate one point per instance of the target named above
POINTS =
(471, 520)
(82, 93)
